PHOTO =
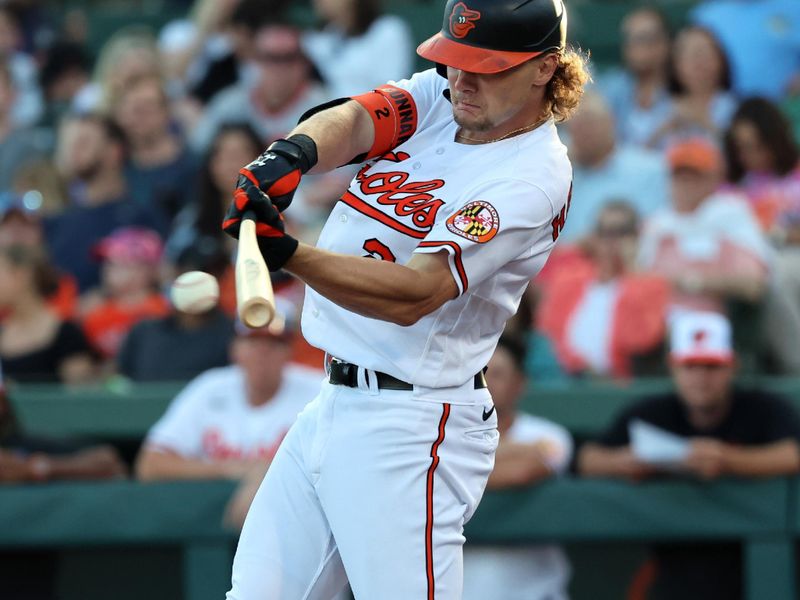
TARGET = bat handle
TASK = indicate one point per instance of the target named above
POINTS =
(258, 307)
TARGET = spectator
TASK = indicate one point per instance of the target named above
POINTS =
(25, 459)
(39, 186)
(36, 24)
(63, 74)
(358, 48)
(18, 145)
(35, 345)
(129, 54)
(211, 49)
(234, 145)
(129, 288)
(638, 93)
(160, 171)
(604, 169)
(92, 155)
(28, 105)
(602, 317)
(530, 450)
(700, 83)
(762, 158)
(728, 432)
(180, 346)
(229, 421)
(23, 228)
(272, 104)
(707, 243)
(763, 164)
(762, 40)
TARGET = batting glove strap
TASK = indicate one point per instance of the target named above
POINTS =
(298, 149)
(277, 250)
(277, 171)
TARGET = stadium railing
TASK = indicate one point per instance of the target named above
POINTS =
(126, 411)
(763, 515)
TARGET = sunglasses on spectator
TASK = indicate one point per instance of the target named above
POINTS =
(616, 231)
(280, 58)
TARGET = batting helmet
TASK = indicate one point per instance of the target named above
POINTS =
(489, 36)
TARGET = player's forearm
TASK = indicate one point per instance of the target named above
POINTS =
(781, 458)
(341, 133)
(372, 288)
(157, 466)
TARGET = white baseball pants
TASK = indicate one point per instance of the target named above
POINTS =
(371, 486)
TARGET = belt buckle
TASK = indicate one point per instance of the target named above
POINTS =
(350, 372)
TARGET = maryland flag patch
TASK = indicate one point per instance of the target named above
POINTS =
(477, 221)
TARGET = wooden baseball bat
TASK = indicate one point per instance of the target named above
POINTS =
(255, 300)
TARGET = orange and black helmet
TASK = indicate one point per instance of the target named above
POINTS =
(489, 36)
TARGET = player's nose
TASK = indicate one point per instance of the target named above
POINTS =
(464, 81)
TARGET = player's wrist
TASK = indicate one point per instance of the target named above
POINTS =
(299, 149)
(277, 250)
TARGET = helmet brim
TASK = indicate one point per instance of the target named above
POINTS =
(442, 50)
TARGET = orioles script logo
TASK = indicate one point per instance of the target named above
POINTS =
(462, 20)
(412, 202)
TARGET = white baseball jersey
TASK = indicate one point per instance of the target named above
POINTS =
(497, 209)
(539, 572)
(211, 418)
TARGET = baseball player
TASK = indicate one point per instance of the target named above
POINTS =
(463, 191)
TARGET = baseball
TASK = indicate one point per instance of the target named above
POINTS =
(195, 292)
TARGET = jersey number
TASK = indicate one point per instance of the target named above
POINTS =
(378, 250)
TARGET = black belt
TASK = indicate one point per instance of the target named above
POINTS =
(345, 373)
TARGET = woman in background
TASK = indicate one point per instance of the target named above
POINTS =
(35, 344)
(700, 84)
(762, 160)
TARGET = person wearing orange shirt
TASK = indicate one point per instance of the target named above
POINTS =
(128, 292)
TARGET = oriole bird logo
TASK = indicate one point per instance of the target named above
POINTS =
(462, 20)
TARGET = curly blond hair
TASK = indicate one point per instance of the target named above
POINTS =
(564, 91)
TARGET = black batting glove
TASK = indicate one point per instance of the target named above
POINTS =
(276, 246)
(278, 170)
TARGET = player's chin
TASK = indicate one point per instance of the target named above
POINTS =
(467, 120)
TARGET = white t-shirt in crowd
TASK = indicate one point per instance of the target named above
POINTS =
(526, 572)
(720, 237)
(589, 328)
(211, 418)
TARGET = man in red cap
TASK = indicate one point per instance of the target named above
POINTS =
(723, 431)
(463, 189)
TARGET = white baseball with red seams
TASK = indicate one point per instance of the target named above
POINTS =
(195, 292)
(373, 485)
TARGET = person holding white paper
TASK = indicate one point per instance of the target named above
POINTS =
(728, 431)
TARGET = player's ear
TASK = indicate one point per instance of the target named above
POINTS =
(544, 68)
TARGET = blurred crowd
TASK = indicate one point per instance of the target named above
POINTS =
(116, 170)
